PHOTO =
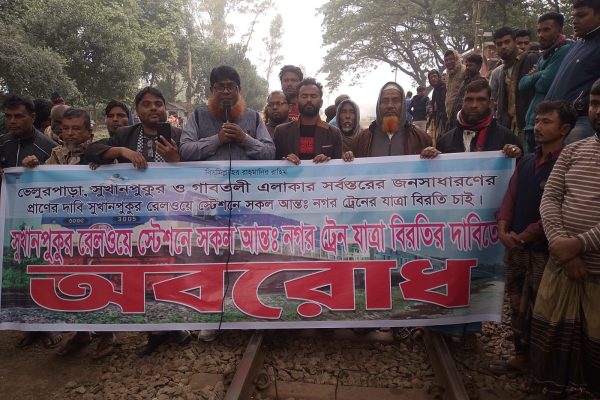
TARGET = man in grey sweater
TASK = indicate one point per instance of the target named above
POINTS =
(225, 127)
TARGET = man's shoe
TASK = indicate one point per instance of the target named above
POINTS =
(207, 335)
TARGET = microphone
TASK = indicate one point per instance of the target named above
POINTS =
(227, 109)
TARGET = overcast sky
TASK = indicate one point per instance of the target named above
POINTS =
(303, 46)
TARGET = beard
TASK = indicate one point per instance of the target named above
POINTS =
(77, 145)
(347, 129)
(217, 110)
(279, 120)
(474, 118)
(308, 110)
(390, 123)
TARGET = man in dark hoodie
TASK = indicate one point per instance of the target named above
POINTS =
(348, 119)
(390, 134)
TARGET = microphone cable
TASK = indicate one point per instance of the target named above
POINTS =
(226, 109)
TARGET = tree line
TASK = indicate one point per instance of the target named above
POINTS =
(92, 51)
(411, 36)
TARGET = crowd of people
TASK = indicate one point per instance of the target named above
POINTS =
(530, 106)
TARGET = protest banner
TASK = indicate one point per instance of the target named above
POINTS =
(395, 241)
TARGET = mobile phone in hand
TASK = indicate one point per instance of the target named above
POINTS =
(164, 129)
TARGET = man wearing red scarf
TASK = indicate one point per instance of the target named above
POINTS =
(477, 129)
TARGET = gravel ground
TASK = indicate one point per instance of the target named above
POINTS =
(202, 370)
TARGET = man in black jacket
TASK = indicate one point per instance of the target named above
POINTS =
(22, 139)
(477, 129)
(140, 143)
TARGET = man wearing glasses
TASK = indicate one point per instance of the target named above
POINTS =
(277, 110)
(225, 128)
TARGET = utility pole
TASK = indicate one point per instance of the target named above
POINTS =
(188, 93)
(476, 25)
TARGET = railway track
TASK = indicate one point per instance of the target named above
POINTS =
(253, 375)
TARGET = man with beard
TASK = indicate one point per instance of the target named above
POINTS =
(348, 119)
(277, 110)
(473, 65)
(437, 111)
(512, 104)
(554, 49)
(308, 138)
(574, 78)
(456, 76)
(225, 128)
(565, 333)
(477, 130)
(391, 134)
(290, 76)
(22, 139)
(139, 144)
(117, 114)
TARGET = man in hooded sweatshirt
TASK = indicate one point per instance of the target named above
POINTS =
(348, 119)
(390, 134)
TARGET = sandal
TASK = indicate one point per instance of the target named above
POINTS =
(106, 345)
(51, 339)
(28, 339)
(74, 344)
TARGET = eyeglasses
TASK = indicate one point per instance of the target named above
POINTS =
(225, 88)
(276, 104)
